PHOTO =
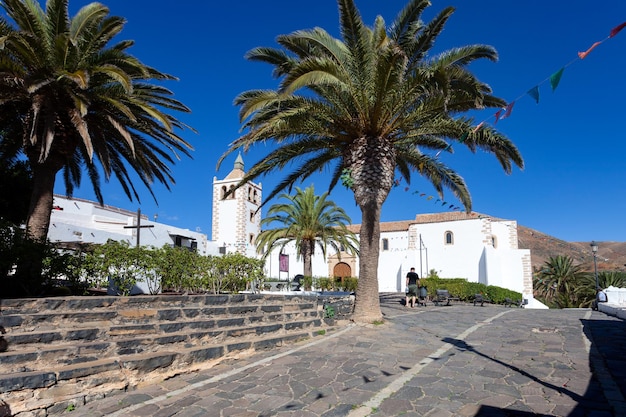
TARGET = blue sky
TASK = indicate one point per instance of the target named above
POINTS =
(573, 142)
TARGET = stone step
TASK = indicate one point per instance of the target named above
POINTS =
(54, 319)
(28, 335)
(26, 358)
(32, 390)
(89, 303)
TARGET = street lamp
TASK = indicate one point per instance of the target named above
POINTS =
(594, 250)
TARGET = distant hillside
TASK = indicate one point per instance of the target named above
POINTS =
(611, 255)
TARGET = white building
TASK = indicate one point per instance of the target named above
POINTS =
(479, 248)
(476, 247)
(82, 221)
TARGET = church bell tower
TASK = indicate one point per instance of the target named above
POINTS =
(236, 221)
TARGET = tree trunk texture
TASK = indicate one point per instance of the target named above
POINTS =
(372, 163)
(307, 252)
(41, 200)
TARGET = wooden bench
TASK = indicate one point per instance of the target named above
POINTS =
(444, 296)
(479, 298)
(517, 303)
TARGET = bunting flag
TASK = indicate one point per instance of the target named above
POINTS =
(497, 116)
(555, 78)
(534, 93)
(508, 111)
(503, 113)
(616, 29)
(583, 55)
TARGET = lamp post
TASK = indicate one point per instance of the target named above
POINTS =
(594, 250)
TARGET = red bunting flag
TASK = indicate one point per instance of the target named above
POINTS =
(617, 29)
(509, 109)
(583, 55)
(497, 116)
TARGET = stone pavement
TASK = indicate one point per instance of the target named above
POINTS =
(431, 361)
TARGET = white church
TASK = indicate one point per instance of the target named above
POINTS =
(479, 248)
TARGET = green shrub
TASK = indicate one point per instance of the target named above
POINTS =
(466, 291)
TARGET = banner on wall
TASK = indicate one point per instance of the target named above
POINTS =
(283, 263)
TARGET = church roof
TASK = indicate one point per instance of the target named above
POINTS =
(403, 225)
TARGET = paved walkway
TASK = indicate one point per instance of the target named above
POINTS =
(426, 361)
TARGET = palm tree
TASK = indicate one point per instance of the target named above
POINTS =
(309, 221)
(559, 280)
(367, 106)
(69, 99)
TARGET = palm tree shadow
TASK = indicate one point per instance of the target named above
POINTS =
(608, 365)
(463, 346)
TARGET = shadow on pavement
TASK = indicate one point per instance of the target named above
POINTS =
(605, 393)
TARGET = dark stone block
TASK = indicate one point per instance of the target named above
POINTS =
(169, 314)
(256, 319)
(172, 327)
(239, 346)
(242, 310)
(45, 337)
(204, 354)
(87, 368)
(216, 299)
(214, 311)
(191, 312)
(130, 350)
(17, 357)
(271, 308)
(89, 303)
(134, 329)
(150, 363)
(164, 340)
(268, 343)
(11, 321)
(202, 324)
(83, 334)
(268, 329)
(27, 380)
(295, 325)
(230, 322)
(53, 303)
(237, 298)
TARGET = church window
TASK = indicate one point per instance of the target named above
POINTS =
(249, 193)
(449, 238)
(494, 242)
(255, 198)
(251, 216)
(223, 192)
(251, 238)
(232, 196)
(385, 244)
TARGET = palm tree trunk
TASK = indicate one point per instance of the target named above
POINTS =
(367, 303)
(307, 252)
(41, 200)
(372, 162)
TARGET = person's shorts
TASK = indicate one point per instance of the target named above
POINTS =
(412, 290)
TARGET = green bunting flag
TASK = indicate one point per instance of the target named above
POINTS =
(556, 78)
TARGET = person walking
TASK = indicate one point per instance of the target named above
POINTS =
(412, 285)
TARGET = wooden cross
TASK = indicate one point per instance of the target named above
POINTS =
(138, 226)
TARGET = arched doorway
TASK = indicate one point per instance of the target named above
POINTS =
(341, 271)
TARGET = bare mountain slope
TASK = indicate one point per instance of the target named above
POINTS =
(611, 255)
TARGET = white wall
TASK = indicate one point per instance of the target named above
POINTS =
(471, 255)
(78, 220)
